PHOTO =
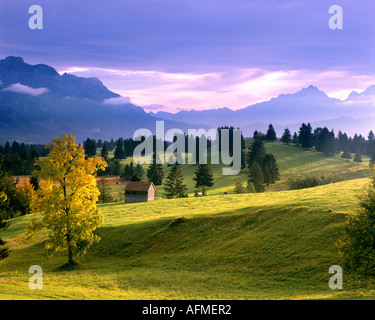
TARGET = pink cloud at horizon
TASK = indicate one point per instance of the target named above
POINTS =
(233, 88)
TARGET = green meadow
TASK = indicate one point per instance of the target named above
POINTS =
(273, 245)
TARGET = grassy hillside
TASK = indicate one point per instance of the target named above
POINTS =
(274, 245)
(293, 161)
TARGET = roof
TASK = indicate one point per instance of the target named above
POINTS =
(138, 186)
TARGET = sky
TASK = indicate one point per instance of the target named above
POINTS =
(169, 55)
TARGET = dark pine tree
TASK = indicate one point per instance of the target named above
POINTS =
(128, 172)
(358, 144)
(231, 133)
(135, 177)
(155, 173)
(256, 177)
(286, 137)
(15, 147)
(24, 155)
(139, 169)
(90, 147)
(243, 159)
(257, 153)
(104, 151)
(370, 143)
(7, 149)
(203, 176)
(270, 170)
(119, 152)
(372, 160)
(295, 139)
(111, 145)
(332, 144)
(324, 141)
(34, 181)
(305, 137)
(174, 186)
(343, 141)
(99, 144)
(315, 138)
(34, 153)
(243, 144)
(255, 134)
(371, 136)
(271, 134)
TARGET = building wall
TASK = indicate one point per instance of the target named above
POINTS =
(151, 194)
(136, 196)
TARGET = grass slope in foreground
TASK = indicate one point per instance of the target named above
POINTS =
(276, 245)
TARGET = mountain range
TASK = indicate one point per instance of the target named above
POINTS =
(38, 104)
(356, 114)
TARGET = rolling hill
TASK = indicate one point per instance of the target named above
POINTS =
(292, 161)
(273, 245)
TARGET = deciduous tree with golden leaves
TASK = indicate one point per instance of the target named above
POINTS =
(66, 199)
(3, 225)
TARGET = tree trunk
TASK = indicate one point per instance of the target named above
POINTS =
(70, 251)
(70, 261)
(68, 237)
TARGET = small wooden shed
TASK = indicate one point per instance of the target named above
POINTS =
(139, 191)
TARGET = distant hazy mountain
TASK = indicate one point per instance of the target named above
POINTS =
(368, 93)
(212, 117)
(290, 110)
(14, 70)
(37, 104)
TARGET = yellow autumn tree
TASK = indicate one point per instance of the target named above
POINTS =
(66, 199)
(3, 225)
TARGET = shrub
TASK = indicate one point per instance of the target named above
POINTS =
(239, 187)
(357, 158)
(311, 181)
(357, 246)
(18, 198)
(200, 191)
(105, 191)
(250, 187)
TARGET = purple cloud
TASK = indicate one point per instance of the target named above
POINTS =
(199, 54)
